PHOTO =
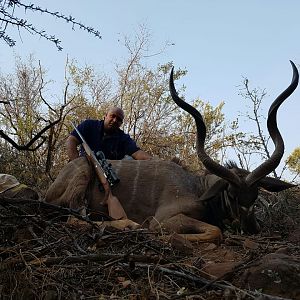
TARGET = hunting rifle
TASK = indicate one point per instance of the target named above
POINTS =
(115, 208)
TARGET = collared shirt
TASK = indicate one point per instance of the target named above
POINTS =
(114, 146)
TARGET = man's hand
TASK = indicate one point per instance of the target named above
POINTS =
(141, 155)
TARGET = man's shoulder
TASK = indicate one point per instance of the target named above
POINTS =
(90, 127)
(123, 135)
(93, 122)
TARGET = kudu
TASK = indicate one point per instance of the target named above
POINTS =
(172, 198)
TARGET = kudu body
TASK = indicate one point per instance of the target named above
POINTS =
(167, 195)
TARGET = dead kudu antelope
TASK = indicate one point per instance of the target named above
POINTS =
(170, 197)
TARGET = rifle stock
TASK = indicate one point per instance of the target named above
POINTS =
(115, 208)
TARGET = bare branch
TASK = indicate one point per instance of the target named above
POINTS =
(10, 18)
(31, 142)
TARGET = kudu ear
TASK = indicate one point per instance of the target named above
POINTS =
(218, 186)
(274, 185)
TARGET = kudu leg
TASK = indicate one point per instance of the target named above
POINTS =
(190, 229)
(118, 224)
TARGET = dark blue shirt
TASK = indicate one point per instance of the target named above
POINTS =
(114, 146)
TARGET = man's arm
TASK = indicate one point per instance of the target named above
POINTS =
(71, 146)
(141, 155)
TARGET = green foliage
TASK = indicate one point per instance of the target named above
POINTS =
(293, 161)
(186, 129)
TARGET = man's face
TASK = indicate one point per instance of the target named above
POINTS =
(113, 120)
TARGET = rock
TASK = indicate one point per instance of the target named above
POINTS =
(219, 269)
(249, 244)
(211, 247)
(294, 236)
(283, 250)
(275, 274)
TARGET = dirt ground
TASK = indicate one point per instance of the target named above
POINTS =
(43, 257)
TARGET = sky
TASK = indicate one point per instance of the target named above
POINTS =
(218, 42)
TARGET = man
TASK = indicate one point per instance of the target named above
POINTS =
(106, 136)
(101, 135)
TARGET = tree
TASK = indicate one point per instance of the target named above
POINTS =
(250, 146)
(293, 162)
(25, 119)
(151, 116)
(253, 144)
(11, 16)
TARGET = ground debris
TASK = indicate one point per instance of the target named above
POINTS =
(43, 257)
